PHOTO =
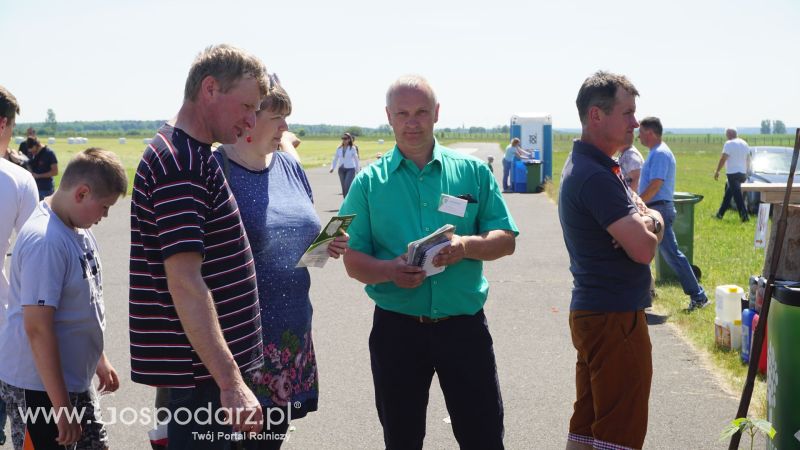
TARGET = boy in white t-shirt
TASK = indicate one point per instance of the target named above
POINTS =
(53, 335)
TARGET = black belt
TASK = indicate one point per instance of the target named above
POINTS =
(658, 202)
(420, 319)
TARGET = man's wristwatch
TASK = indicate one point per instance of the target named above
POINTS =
(656, 224)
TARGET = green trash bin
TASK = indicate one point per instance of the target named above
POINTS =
(683, 227)
(534, 168)
(783, 367)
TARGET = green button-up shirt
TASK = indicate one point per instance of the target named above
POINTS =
(395, 203)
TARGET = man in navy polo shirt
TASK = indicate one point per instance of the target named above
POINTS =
(611, 237)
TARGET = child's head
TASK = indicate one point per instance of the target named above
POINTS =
(93, 181)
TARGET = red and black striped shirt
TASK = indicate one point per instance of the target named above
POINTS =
(181, 203)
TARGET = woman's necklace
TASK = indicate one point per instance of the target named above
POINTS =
(241, 160)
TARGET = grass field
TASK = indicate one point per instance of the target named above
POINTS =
(314, 152)
(722, 249)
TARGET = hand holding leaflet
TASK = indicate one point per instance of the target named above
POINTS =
(317, 253)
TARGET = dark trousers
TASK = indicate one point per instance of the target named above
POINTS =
(405, 354)
(184, 436)
(734, 190)
(182, 431)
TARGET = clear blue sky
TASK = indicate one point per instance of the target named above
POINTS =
(696, 63)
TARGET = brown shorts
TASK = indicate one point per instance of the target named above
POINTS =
(612, 378)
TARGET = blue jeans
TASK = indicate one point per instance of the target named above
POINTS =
(506, 174)
(346, 179)
(675, 258)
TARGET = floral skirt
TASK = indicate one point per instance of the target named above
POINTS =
(288, 380)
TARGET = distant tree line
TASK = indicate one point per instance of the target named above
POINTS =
(774, 127)
(115, 128)
(122, 128)
(383, 130)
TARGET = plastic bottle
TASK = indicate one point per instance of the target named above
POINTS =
(753, 287)
(728, 302)
(762, 360)
(747, 334)
(735, 330)
(762, 286)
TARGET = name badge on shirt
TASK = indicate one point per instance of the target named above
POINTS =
(453, 205)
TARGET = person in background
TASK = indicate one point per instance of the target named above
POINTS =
(294, 141)
(630, 163)
(19, 194)
(737, 159)
(425, 325)
(347, 153)
(514, 151)
(53, 336)
(43, 166)
(611, 237)
(658, 189)
(23, 146)
(277, 209)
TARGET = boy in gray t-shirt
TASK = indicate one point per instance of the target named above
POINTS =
(53, 335)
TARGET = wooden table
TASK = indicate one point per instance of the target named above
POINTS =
(773, 193)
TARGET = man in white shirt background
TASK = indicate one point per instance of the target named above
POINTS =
(737, 160)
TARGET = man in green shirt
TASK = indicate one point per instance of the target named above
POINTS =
(435, 324)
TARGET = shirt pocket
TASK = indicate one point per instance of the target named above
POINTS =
(467, 225)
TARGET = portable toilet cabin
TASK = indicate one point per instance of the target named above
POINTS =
(535, 133)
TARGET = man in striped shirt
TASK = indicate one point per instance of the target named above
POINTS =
(194, 312)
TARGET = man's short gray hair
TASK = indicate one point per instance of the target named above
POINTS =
(731, 131)
(410, 81)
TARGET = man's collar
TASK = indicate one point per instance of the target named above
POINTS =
(396, 157)
(593, 152)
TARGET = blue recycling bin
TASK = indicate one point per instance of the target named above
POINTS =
(519, 176)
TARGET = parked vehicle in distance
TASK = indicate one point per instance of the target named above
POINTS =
(770, 165)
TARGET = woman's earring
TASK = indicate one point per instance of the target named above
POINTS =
(249, 139)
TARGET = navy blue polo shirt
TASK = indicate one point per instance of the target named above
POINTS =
(591, 198)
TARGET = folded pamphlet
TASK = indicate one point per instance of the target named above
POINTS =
(422, 251)
(317, 253)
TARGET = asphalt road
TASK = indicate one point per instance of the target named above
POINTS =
(527, 311)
